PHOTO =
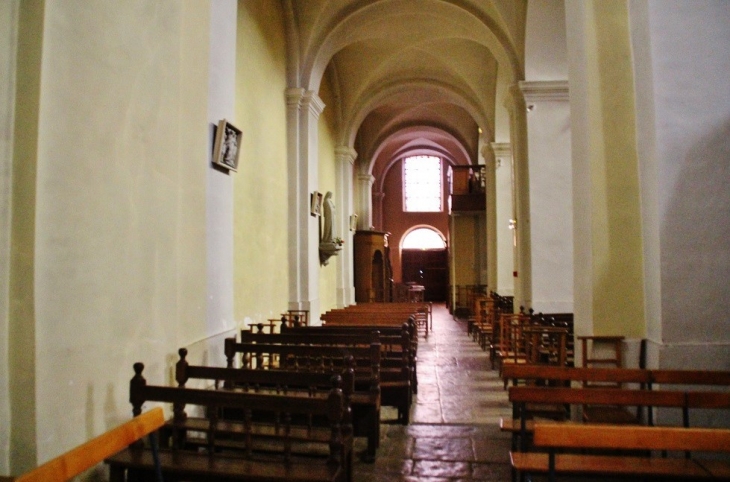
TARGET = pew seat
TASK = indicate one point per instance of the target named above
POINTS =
(623, 451)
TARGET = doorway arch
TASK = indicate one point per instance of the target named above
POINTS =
(423, 237)
(425, 261)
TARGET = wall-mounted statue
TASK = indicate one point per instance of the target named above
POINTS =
(329, 244)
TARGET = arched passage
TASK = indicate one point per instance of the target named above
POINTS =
(425, 261)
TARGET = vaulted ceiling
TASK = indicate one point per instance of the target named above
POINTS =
(425, 76)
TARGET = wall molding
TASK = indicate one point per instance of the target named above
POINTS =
(544, 90)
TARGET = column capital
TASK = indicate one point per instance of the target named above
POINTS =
(368, 178)
(544, 90)
(346, 154)
(514, 98)
(294, 96)
(311, 100)
(501, 149)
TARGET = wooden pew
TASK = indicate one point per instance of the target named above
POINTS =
(383, 330)
(395, 383)
(531, 374)
(279, 462)
(666, 377)
(564, 441)
(383, 313)
(638, 378)
(365, 318)
(523, 397)
(684, 401)
(398, 346)
(80, 459)
(364, 415)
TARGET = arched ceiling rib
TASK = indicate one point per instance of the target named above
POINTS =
(415, 64)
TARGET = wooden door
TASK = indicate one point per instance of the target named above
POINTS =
(429, 268)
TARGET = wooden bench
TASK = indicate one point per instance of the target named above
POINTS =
(394, 382)
(383, 314)
(396, 342)
(634, 377)
(262, 455)
(527, 402)
(391, 330)
(684, 401)
(364, 415)
(562, 441)
(80, 459)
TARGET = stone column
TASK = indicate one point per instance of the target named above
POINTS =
(364, 201)
(378, 198)
(521, 197)
(551, 206)
(490, 164)
(303, 111)
(345, 278)
(607, 221)
(504, 247)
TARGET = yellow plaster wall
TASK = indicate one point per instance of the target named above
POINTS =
(463, 236)
(118, 259)
(261, 184)
(327, 182)
(21, 309)
(618, 293)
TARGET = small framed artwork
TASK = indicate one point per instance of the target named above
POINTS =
(227, 146)
(315, 208)
(353, 222)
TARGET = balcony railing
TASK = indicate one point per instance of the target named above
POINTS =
(467, 186)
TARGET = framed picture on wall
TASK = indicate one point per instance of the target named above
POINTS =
(315, 206)
(227, 145)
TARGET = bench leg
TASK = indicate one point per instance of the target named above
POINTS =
(373, 438)
(116, 474)
(404, 415)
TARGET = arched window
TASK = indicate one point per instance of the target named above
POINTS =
(422, 184)
(423, 238)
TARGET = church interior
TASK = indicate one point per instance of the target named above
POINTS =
(174, 172)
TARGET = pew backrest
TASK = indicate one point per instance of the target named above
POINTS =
(331, 405)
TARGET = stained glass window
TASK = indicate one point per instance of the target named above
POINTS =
(422, 184)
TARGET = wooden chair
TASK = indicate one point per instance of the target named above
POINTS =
(602, 351)
(295, 318)
(546, 345)
(605, 352)
(511, 340)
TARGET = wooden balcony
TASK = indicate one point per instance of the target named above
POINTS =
(467, 189)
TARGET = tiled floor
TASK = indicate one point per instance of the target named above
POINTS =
(454, 431)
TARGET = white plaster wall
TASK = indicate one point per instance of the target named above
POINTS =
(120, 240)
(8, 48)
(545, 52)
(548, 132)
(687, 149)
(505, 245)
(551, 206)
(219, 192)
(578, 74)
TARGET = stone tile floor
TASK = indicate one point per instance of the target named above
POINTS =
(454, 431)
